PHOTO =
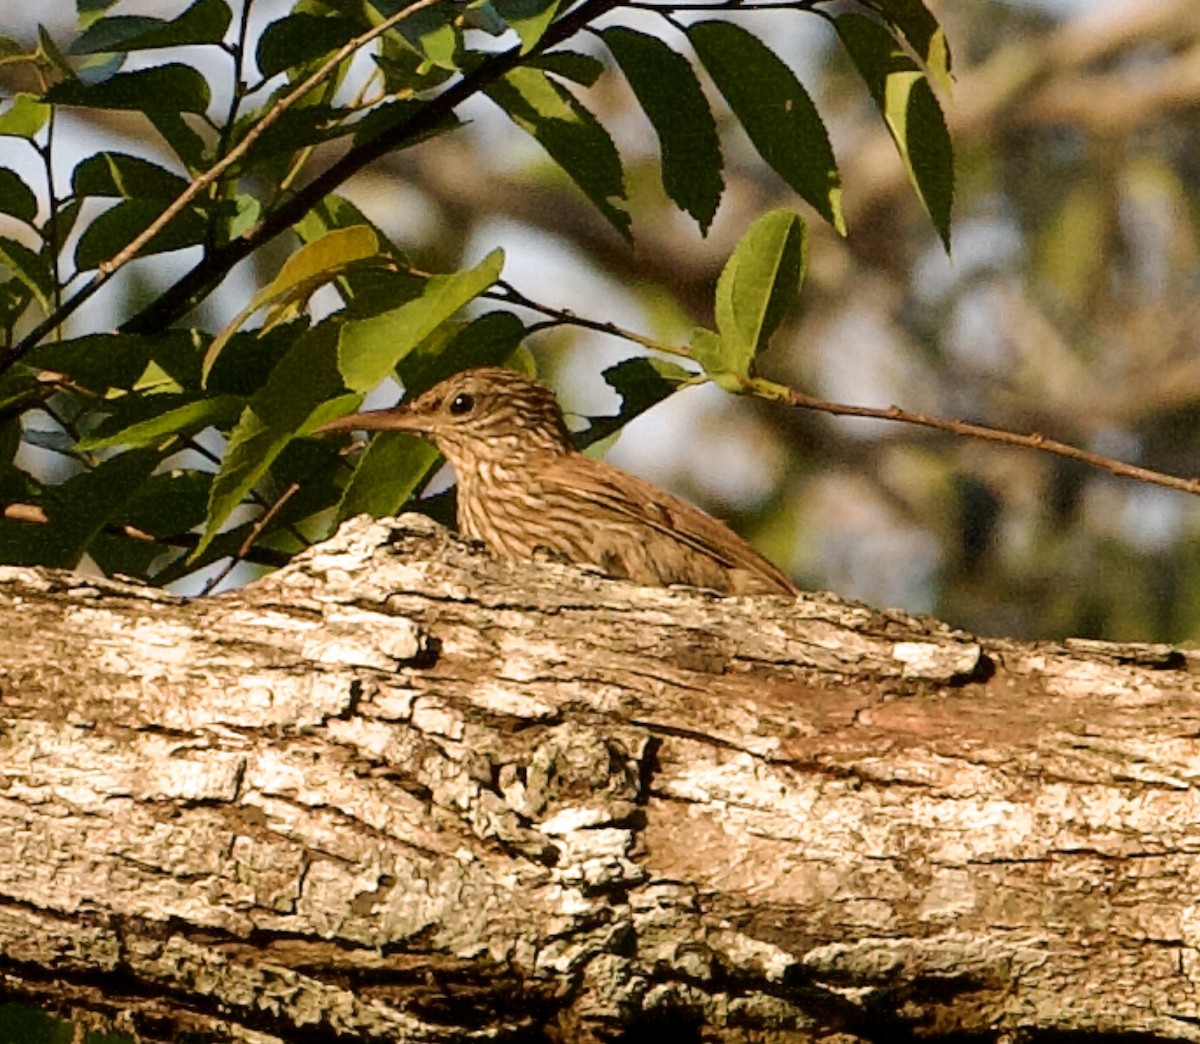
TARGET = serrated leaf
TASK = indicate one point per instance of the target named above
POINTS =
(776, 111)
(758, 284)
(911, 112)
(529, 19)
(309, 268)
(191, 416)
(172, 88)
(128, 177)
(579, 68)
(24, 117)
(921, 29)
(570, 134)
(29, 268)
(370, 348)
(432, 32)
(304, 390)
(204, 22)
(16, 198)
(118, 226)
(300, 38)
(668, 90)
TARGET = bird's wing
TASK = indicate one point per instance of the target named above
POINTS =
(636, 503)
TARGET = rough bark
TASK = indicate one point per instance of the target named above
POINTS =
(400, 790)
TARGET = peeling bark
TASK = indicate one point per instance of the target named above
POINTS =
(400, 790)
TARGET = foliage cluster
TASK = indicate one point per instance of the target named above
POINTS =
(163, 448)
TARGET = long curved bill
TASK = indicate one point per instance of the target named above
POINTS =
(396, 419)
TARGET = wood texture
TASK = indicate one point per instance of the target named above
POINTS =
(400, 790)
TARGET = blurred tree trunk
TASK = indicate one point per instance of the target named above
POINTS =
(400, 790)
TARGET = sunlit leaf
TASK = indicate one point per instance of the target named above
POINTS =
(370, 348)
(529, 18)
(24, 117)
(912, 114)
(170, 418)
(29, 268)
(570, 134)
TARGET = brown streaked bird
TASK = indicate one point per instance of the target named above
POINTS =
(522, 485)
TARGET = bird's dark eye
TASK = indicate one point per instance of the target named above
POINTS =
(462, 403)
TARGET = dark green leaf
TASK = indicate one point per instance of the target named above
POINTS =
(300, 38)
(570, 134)
(368, 349)
(304, 390)
(641, 383)
(204, 22)
(128, 177)
(16, 198)
(529, 18)
(582, 69)
(164, 415)
(184, 142)
(118, 226)
(669, 92)
(914, 20)
(776, 111)
(10, 49)
(172, 88)
(383, 118)
(29, 268)
(80, 507)
(106, 362)
(247, 360)
(169, 503)
(487, 341)
(405, 70)
(24, 117)
(911, 112)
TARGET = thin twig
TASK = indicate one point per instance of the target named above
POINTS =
(781, 393)
(255, 532)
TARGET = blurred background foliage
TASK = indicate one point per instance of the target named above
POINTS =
(1070, 306)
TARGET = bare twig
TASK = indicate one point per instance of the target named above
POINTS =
(255, 532)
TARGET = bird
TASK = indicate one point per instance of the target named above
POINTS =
(523, 487)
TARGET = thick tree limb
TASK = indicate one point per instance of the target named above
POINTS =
(400, 790)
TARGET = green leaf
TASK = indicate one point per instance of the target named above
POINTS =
(759, 283)
(192, 416)
(171, 88)
(579, 68)
(368, 349)
(24, 117)
(309, 268)
(304, 390)
(570, 134)
(919, 27)
(432, 33)
(204, 22)
(668, 90)
(641, 383)
(124, 176)
(529, 18)
(388, 473)
(103, 363)
(301, 38)
(16, 198)
(182, 139)
(11, 50)
(29, 268)
(719, 358)
(779, 116)
(79, 508)
(118, 226)
(911, 112)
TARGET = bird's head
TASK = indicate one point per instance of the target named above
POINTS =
(485, 412)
